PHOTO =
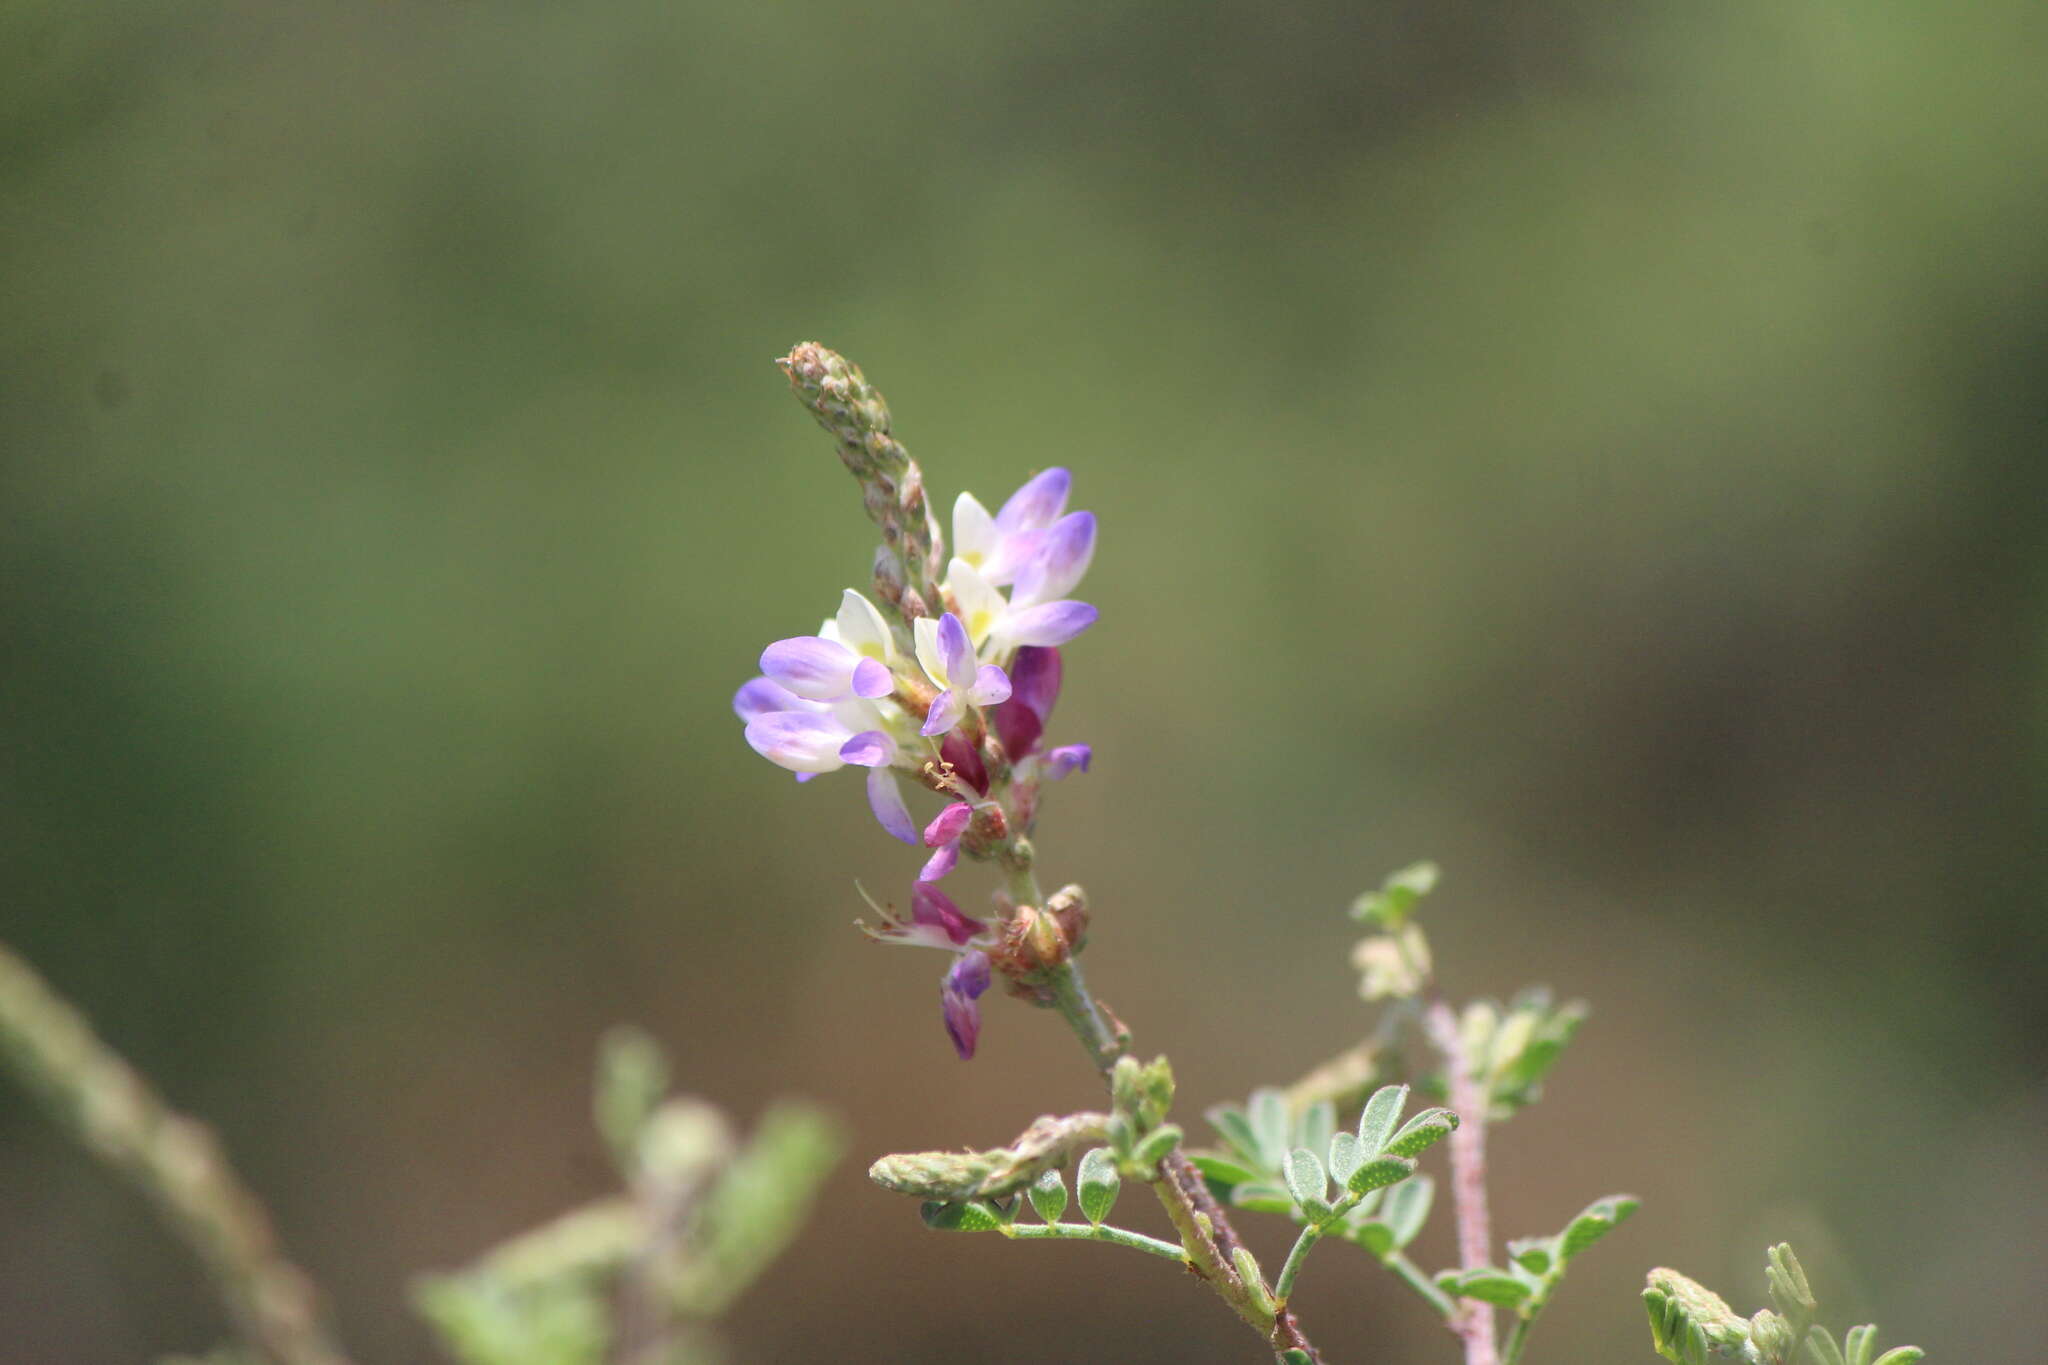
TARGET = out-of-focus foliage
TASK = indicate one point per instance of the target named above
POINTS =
(1599, 447)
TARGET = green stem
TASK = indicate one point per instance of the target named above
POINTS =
(1411, 1275)
(174, 1161)
(1518, 1339)
(1076, 1232)
(1283, 1288)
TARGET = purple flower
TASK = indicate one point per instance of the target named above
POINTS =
(963, 985)
(1058, 560)
(943, 834)
(810, 738)
(998, 546)
(1065, 759)
(948, 658)
(935, 922)
(852, 656)
(1004, 624)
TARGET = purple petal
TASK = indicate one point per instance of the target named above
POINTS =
(802, 741)
(1048, 623)
(885, 799)
(764, 696)
(966, 761)
(869, 749)
(1038, 503)
(810, 666)
(872, 678)
(956, 651)
(1065, 759)
(940, 863)
(947, 708)
(963, 985)
(1058, 562)
(802, 778)
(947, 826)
(991, 685)
(934, 909)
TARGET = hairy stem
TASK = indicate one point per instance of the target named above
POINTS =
(1411, 1275)
(174, 1161)
(1204, 1228)
(1473, 1320)
(1078, 1232)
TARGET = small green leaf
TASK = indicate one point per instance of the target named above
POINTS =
(1820, 1344)
(1270, 1127)
(1222, 1170)
(1421, 1133)
(1407, 1208)
(1254, 1280)
(1317, 1122)
(1533, 1254)
(1308, 1184)
(1155, 1146)
(1235, 1127)
(974, 1215)
(1382, 1112)
(1290, 1356)
(632, 1076)
(1262, 1196)
(1391, 905)
(1098, 1184)
(1373, 1234)
(1049, 1195)
(1858, 1343)
(1345, 1154)
(1487, 1285)
(1121, 1134)
(1379, 1173)
(1598, 1219)
(1901, 1355)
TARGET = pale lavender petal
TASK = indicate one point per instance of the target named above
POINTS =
(764, 696)
(811, 666)
(802, 741)
(872, 678)
(1038, 503)
(802, 778)
(946, 827)
(1058, 562)
(947, 709)
(934, 908)
(963, 985)
(869, 749)
(885, 798)
(944, 860)
(1048, 623)
(1065, 759)
(991, 685)
(956, 651)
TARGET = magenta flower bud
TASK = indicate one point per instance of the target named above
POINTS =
(963, 985)
(966, 761)
(947, 826)
(934, 909)
(1034, 687)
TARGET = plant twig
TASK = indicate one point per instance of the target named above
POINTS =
(1474, 1320)
(173, 1159)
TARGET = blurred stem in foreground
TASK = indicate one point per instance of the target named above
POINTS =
(172, 1159)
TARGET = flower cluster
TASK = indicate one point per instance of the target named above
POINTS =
(958, 703)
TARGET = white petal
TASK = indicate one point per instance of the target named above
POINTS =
(861, 628)
(974, 531)
(925, 631)
(982, 607)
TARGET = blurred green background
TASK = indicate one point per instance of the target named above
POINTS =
(1599, 448)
